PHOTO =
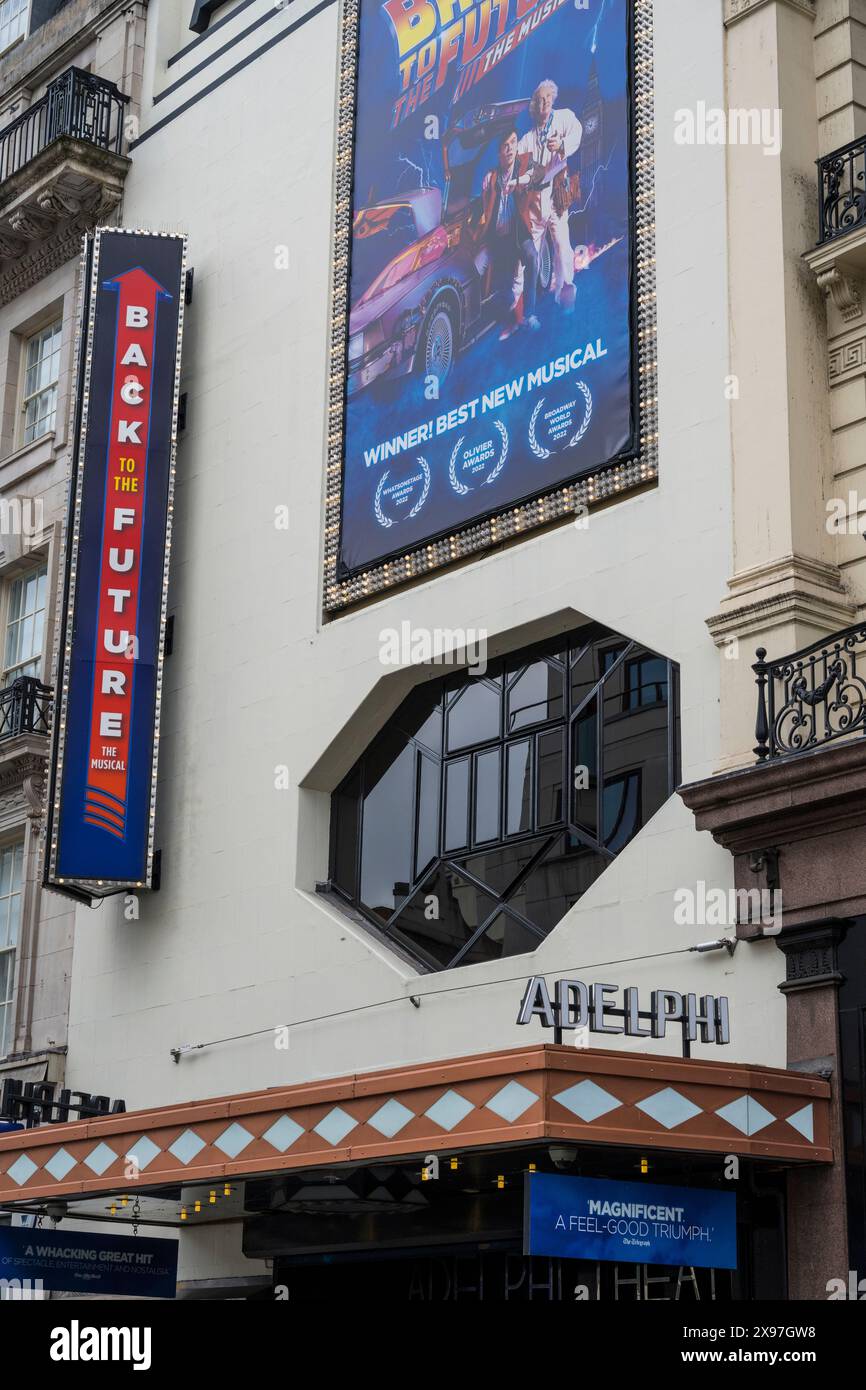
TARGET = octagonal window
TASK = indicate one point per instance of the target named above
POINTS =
(488, 805)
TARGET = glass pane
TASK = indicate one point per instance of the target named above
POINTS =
(535, 697)
(518, 806)
(456, 804)
(16, 595)
(25, 639)
(638, 740)
(498, 868)
(386, 832)
(504, 937)
(647, 681)
(621, 811)
(346, 811)
(14, 918)
(4, 922)
(473, 717)
(585, 674)
(487, 792)
(584, 769)
(428, 813)
(7, 962)
(554, 885)
(6, 857)
(420, 716)
(443, 914)
(549, 778)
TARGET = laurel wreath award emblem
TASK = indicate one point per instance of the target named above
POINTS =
(426, 488)
(386, 521)
(538, 449)
(460, 488)
(382, 519)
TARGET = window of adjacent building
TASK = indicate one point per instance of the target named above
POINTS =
(13, 21)
(41, 374)
(11, 861)
(488, 805)
(25, 625)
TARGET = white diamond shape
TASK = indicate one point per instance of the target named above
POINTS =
(100, 1158)
(143, 1152)
(511, 1102)
(22, 1169)
(804, 1122)
(334, 1126)
(60, 1164)
(283, 1133)
(588, 1101)
(747, 1115)
(233, 1140)
(390, 1118)
(669, 1108)
(449, 1110)
(186, 1146)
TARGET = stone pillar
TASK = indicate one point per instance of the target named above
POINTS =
(785, 590)
(817, 1207)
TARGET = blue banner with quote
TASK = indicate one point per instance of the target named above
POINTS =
(628, 1222)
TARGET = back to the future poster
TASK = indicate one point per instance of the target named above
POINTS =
(489, 346)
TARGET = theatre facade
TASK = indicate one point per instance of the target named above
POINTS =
(462, 909)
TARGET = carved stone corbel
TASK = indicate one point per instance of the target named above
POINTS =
(843, 291)
(11, 247)
(104, 203)
(58, 203)
(33, 225)
(34, 791)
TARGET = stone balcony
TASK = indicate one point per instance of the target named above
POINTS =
(62, 172)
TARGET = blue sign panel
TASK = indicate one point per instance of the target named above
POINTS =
(489, 356)
(78, 1262)
(106, 737)
(632, 1223)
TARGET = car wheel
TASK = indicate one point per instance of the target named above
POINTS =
(545, 264)
(437, 344)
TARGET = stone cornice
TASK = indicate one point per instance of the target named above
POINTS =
(784, 799)
(736, 10)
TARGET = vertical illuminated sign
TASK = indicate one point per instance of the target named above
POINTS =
(106, 732)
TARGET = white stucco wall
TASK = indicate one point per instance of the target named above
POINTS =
(235, 940)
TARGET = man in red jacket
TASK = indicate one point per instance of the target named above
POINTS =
(506, 242)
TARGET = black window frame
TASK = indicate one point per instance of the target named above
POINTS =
(562, 653)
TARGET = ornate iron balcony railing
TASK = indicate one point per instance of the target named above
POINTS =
(813, 696)
(842, 190)
(25, 708)
(75, 104)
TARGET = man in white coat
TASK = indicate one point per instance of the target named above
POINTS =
(553, 137)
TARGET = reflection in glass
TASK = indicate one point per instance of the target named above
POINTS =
(456, 804)
(594, 759)
(518, 793)
(621, 811)
(427, 844)
(386, 832)
(504, 937)
(473, 716)
(549, 778)
(584, 768)
(487, 785)
(443, 914)
(556, 883)
(535, 697)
